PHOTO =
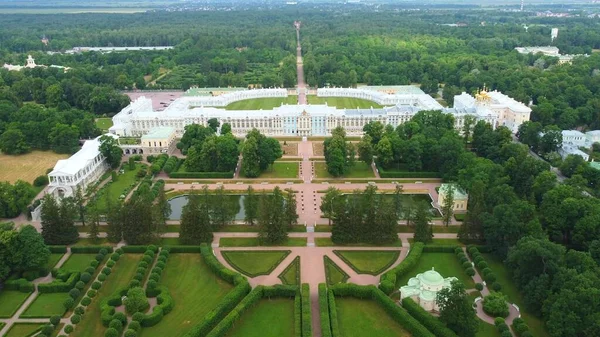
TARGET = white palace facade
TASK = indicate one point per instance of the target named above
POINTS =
(400, 103)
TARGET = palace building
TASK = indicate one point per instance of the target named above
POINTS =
(400, 103)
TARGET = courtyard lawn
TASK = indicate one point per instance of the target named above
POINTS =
(333, 273)
(104, 123)
(78, 262)
(121, 274)
(11, 301)
(279, 170)
(23, 329)
(46, 305)
(359, 170)
(365, 318)
(326, 242)
(53, 260)
(90, 242)
(267, 318)
(536, 325)
(253, 242)
(195, 289)
(343, 102)
(28, 166)
(291, 274)
(255, 263)
(447, 264)
(119, 187)
(262, 103)
(368, 262)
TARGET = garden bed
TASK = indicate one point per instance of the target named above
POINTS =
(255, 263)
(368, 262)
(333, 273)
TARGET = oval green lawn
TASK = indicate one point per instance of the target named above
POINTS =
(267, 318)
(255, 263)
(365, 318)
(368, 262)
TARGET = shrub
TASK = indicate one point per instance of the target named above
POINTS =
(467, 265)
(86, 301)
(55, 320)
(137, 317)
(149, 252)
(134, 283)
(47, 329)
(486, 271)
(80, 285)
(490, 278)
(495, 305)
(482, 265)
(498, 321)
(41, 181)
(479, 286)
(141, 270)
(136, 300)
(502, 327)
(110, 332)
(79, 311)
(506, 334)
(121, 317)
(75, 319)
(155, 277)
(527, 334)
(470, 271)
(134, 325)
(152, 284)
(157, 270)
(68, 328)
(143, 264)
(116, 324)
(130, 333)
(464, 259)
(94, 264)
(160, 265)
(496, 286)
(110, 263)
(388, 280)
(91, 293)
(90, 270)
(96, 285)
(99, 257)
(69, 303)
(138, 277)
(74, 293)
(106, 271)
(119, 251)
(102, 277)
(147, 259)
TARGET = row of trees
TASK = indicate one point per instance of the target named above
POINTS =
(21, 250)
(259, 152)
(339, 153)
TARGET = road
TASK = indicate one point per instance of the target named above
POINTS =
(300, 68)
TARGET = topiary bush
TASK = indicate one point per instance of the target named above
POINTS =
(110, 332)
(69, 303)
(160, 265)
(470, 271)
(74, 293)
(75, 319)
(96, 285)
(106, 271)
(80, 285)
(134, 325)
(147, 259)
(99, 257)
(116, 324)
(138, 277)
(68, 328)
(490, 278)
(110, 263)
(482, 265)
(496, 286)
(91, 293)
(79, 310)
(130, 333)
(94, 264)
(479, 286)
(495, 305)
(137, 317)
(486, 271)
(86, 301)
(134, 284)
(506, 334)
(85, 277)
(115, 256)
(121, 317)
(48, 329)
(136, 301)
(101, 277)
(467, 265)
(90, 270)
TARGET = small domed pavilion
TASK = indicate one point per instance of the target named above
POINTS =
(424, 287)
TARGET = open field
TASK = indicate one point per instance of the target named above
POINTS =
(254, 263)
(343, 102)
(364, 318)
(23, 329)
(46, 305)
(447, 264)
(333, 273)
(121, 274)
(11, 301)
(104, 123)
(253, 242)
(267, 318)
(279, 170)
(28, 166)
(262, 103)
(78, 262)
(368, 262)
(195, 291)
(359, 170)
(536, 326)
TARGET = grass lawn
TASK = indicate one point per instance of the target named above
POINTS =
(333, 273)
(78, 262)
(359, 170)
(46, 305)
(119, 187)
(536, 325)
(445, 242)
(267, 318)
(343, 102)
(28, 166)
(53, 260)
(436, 229)
(365, 318)
(267, 103)
(195, 291)
(253, 242)
(23, 329)
(326, 242)
(447, 264)
(121, 274)
(279, 170)
(487, 330)
(255, 263)
(11, 301)
(90, 242)
(291, 274)
(368, 262)
(104, 123)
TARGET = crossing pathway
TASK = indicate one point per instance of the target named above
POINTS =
(300, 67)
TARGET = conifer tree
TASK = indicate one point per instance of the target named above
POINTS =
(448, 206)
(271, 220)
(290, 215)
(472, 227)
(250, 206)
(163, 210)
(57, 216)
(114, 229)
(329, 202)
(195, 224)
(398, 201)
(423, 230)
(94, 222)
(79, 202)
(221, 208)
(138, 220)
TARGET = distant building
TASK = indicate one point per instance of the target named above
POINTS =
(567, 150)
(424, 287)
(78, 50)
(549, 51)
(574, 138)
(461, 198)
(159, 140)
(30, 65)
(554, 34)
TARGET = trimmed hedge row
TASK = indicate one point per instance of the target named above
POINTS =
(158, 163)
(433, 324)
(306, 311)
(59, 285)
(324, 311)
(58, 249)
(90, 249)
(335, 329)
(520, 328)
(134, 249)
(396, 313)
(267, 272)
(165, 305)
(297, 316)
(486, 273)
(21, 285)
(184, 249)
(172, 164)
(201, 175)
(387, 282)
(440, 248)
(405, 174)
(223, 272)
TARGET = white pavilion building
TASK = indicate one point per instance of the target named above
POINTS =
(424, 287)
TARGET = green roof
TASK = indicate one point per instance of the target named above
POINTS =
(432, 277)
(459, 193)
(160, 132)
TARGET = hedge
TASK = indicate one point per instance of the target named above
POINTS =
(335, 329)
(396, 313)
(201, 175)
(165, 305)
(487, 273)
(432, 323)
(90, 249)
(184, 249)
(440, 248)
(223, 272)
(58, 249)
(324, 311)
(21, 285)
(60, 286)
(134, 249)
(306, 311)
(405, 174)
(388, 279)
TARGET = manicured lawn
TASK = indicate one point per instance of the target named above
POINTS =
(23, 329)
(364, 318)
(195, 291)
(436, 229)
(267, 318)
(238, 228)
(53, 260)
(78, 262)
(262, 103)
(368, 262)
(254, 263)
(28, 166)
(359, 170)
(253, 242)
(536, 325)
(326, 242)
(46, 305)
(333, 273)
(445, 242)
(290, 275)
(343, 102)
(90, 242)
(487, 330)
(279, 170)
(104, 123)
(116, 189)
(447, 264)
(11, 301)
(121, 274)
